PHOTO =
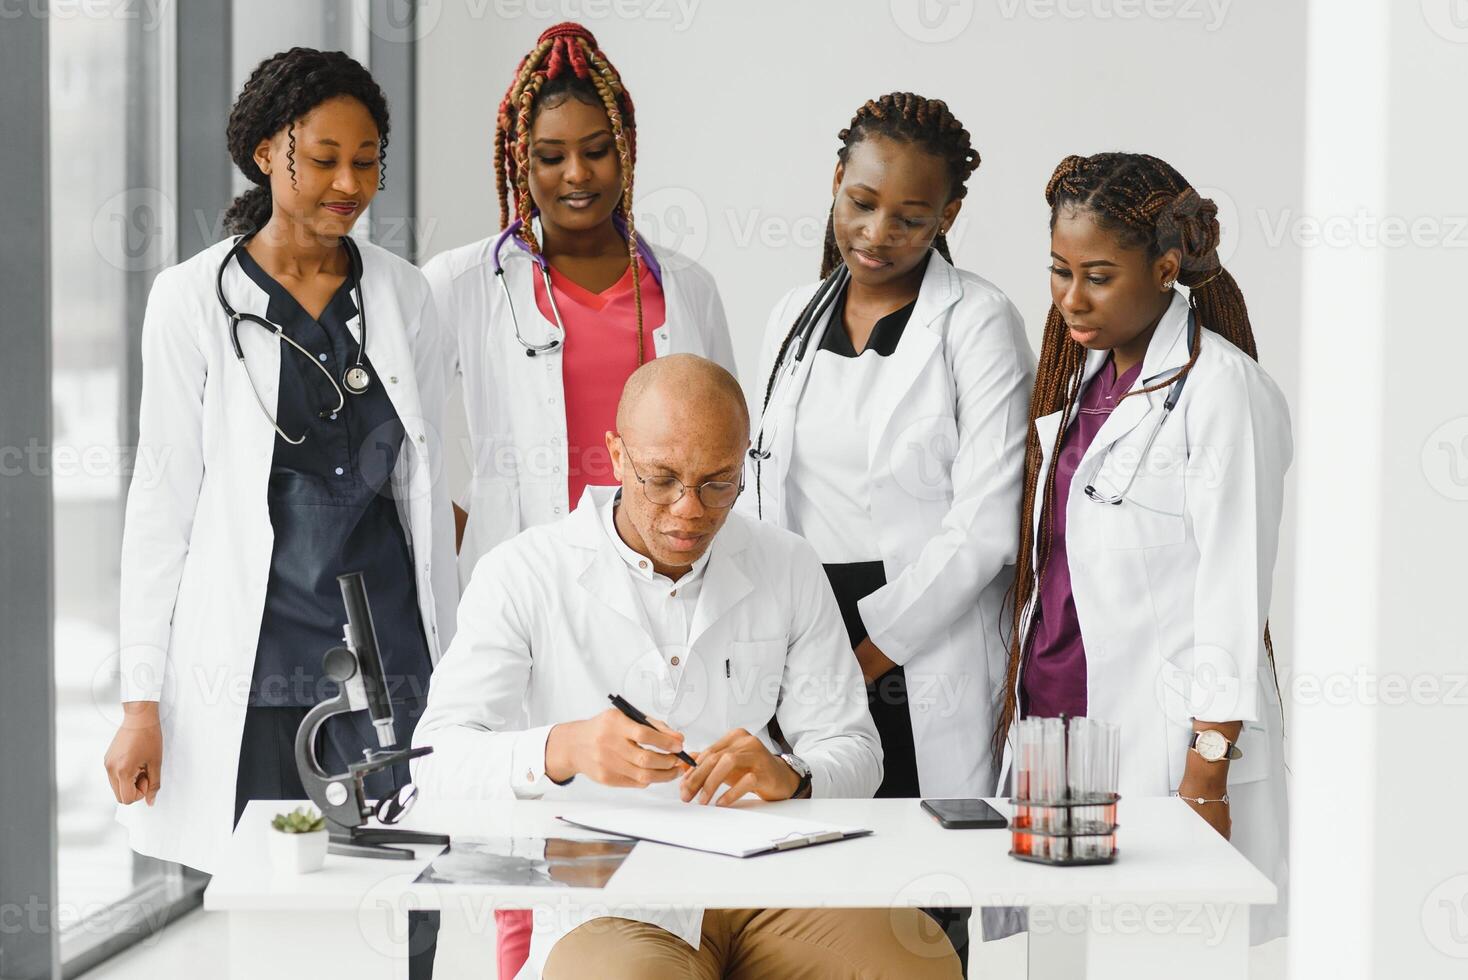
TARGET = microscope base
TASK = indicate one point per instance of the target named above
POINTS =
(376, 842)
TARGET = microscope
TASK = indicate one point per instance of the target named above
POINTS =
(341, 797)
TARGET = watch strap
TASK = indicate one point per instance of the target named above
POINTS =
(801, 769)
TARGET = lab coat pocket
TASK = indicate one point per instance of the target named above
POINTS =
(752, 676)
(1150, 514)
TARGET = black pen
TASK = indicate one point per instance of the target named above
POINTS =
(624, 706)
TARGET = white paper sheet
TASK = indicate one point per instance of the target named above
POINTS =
(721, 830)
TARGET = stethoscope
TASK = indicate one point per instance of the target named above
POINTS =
(826, 294)
(356, 379)
(1174, 392)
(557, 340)
(815, 310)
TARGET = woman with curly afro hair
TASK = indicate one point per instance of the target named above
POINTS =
(292, 383)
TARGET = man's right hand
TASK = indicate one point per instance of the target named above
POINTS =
(608, 748)
(135, 757)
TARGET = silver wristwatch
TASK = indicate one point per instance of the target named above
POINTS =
(1214, 746)
(801, 769)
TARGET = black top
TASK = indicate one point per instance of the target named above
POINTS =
(332, 510)
(885, 334)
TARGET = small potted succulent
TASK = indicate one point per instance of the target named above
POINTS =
(298, 841)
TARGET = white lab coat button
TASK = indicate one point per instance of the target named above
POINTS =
(676, 661)
(393, 379)
(557, 508)
(662, 335)
(420, 437)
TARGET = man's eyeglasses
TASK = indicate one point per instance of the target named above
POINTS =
(668, 490)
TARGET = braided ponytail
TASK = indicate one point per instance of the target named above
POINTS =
(904, 118)
(1145, 204)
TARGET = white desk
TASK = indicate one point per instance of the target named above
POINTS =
(1175, 902)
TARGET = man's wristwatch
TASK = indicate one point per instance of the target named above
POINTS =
(802, 770)
(1214, 746)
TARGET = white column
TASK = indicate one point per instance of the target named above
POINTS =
(1378, 698)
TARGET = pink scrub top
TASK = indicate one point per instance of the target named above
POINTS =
(597, 358)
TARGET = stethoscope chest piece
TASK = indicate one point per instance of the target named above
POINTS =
(357, 379)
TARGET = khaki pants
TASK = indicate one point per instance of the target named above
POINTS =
(762, 944)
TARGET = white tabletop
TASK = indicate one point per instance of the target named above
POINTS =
(1166, 855)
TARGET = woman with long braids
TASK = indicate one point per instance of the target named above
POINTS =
(894, 398)
(293, 382)
(569, 283)
(1153, 486)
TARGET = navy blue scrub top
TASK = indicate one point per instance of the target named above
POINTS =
(332, 510)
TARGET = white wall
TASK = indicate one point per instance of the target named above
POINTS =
(739, 104)
(738, 107)
(1383, 490)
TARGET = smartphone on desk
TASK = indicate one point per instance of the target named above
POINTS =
(965, 814)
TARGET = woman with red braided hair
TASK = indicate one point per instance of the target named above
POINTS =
(894, 397)
(1153, 487)
(568, 282)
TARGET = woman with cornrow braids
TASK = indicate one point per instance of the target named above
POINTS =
(1153, 487)
(570, 283)
(293, 382)
(894, 398)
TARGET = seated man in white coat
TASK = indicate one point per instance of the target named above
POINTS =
(718, 624)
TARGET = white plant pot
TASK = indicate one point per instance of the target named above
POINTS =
(297, 853)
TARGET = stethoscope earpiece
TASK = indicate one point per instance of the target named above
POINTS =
(391, 809)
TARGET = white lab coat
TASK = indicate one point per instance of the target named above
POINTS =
(1172, 586)
(515, 404)
(945, 468)
(197, 540)
(549, 624)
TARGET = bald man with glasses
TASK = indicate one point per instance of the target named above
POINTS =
(714, 625)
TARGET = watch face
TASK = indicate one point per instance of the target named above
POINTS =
(1212, 745)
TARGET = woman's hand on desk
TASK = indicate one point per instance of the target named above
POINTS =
(743, 763)
(608, 749)
(135, 757)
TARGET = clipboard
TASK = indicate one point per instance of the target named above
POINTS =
(716, 830)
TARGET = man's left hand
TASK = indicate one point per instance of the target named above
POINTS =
(740, 761)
